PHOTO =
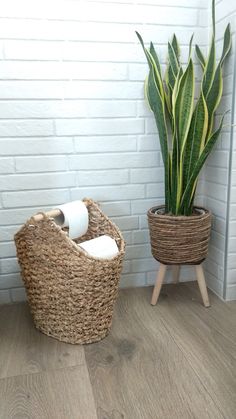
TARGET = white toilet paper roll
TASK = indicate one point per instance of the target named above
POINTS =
(75, 217)
(103, 247)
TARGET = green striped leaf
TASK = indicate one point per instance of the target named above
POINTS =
(155, 57)
(175, 46)
(183, 106)
(227, 44)
(158, 106)
(209, 71)
(186, 198)
(200, 57)
(196, 138)
(152, 65)
(214, 96)
(173, 60)
(190, 47)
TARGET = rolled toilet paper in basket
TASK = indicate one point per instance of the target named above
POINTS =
(103, 247)
(75, 217)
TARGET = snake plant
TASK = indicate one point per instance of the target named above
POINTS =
(185, 124)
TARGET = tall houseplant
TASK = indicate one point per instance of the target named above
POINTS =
(186, 129)
(179, 231)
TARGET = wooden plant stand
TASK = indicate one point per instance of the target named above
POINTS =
(176, 270)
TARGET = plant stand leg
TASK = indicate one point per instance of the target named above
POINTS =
(158, 285)
(175, 272)
(202, 285)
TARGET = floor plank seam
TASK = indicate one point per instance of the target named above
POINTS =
(195, 373)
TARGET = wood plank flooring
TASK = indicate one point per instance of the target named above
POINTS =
(175, 360)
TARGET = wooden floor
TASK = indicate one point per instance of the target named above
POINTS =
(175, 360)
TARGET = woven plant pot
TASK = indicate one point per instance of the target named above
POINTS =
(179, 240)
(71, 294)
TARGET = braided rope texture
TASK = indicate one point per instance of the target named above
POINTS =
(71, 294)
(179, 240)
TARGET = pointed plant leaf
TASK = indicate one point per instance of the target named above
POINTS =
(186, 197)
(158, 106)
(209, 69)
(214, 96)
(196, 138)
(173, 60)
(155, 57)
(227, 44)
(190, 46)
(213, 17)
(200, 57)
(175, 46)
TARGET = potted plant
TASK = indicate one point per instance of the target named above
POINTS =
(180, 231)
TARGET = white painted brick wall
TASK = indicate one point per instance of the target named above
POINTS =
(73, 122)
(217, 170)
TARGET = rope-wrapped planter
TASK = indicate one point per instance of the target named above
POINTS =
(179, 240)
(71, 294)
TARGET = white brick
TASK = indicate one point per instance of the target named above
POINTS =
(231, 293)
(10, 281)
(18, 295)
(101, 90)
(37, 181)
(7, 249)
(148, 142)
(17, 216)
(143, 205)
(5, 297)
(22, 146)
(49, 70)
(219, 159)
(126, 267)
(109, 193)
(99, 126)
(7, 165)
(92, 178)
(41, 164)
(155, 174)
(216, 175)
(105, 144)
(32, 89)
(127, 235)
(143, 223)
(66, 108)
(231, 276)
(9, 266)
(155, 190)
(90, 11)
(126, 223)
(218, 208)
(144, 265)
(7, 233)
(113, 161)
(150, 126)
(133, 280)
(216, 191)
(141, 236)
(33, 198)
(116, 208)
(23, 128)
(138, 251)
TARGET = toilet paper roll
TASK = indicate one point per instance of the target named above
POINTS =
(103, 247)
(75, 217)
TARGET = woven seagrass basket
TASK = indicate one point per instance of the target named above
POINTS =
(71, 294)
(179, 240)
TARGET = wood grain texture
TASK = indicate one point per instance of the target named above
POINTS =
(139, 371)
(61, 394)
(25, 350)
(174, 360)
(205, 341)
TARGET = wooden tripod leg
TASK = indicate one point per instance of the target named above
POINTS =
(202, 285)
(158, 285)
(175, 272)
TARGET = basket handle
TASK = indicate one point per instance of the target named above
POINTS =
(56, 212)
(52, 214)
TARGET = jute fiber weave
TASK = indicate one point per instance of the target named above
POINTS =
(71, 294)
(179, 240)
